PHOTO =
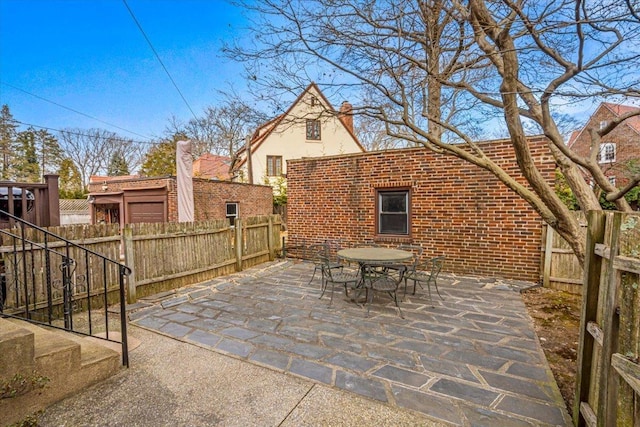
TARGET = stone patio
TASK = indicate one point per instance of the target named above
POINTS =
(472, 360)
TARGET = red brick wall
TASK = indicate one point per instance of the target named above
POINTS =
(209, 196)
(457, 209)
(626, 139)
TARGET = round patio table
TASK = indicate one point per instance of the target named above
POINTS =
(371, 256)
(374, 255)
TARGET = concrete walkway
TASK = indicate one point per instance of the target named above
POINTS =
(474, 359)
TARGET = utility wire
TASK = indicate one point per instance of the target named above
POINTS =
(158, 57)
(73, 132)
(72, 110)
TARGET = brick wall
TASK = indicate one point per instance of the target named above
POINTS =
(457, 209)
(209, 196)
(626, 139)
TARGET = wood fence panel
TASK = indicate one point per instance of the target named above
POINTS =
(561, 268)
(608, 377)
(35, 267)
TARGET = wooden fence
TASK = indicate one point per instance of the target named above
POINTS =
(29, 267)
(561, 269)
(162, 256)
(166, 256)
(608, 377)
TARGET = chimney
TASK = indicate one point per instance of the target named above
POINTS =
(346, 115)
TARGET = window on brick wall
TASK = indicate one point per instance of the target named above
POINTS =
(274, 165)
(612, 180)
(232, 212)
(393, 211)
(607, 153)
(313, 130)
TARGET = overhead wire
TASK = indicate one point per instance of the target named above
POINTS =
(74, 132)
(73, 110)
(159, 59)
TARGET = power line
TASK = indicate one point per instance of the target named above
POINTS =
(72, 110)
(73, 132)
(158, 57)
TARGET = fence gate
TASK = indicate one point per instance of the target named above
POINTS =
(608, 377)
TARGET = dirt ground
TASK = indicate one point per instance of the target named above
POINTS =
(556, 315)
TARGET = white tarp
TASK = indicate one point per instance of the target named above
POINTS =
(184, 164)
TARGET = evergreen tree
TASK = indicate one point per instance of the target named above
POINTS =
(160, 160)
(26, 167)
(49, 152)
(118, 165)
(70, 184)
(7, 141)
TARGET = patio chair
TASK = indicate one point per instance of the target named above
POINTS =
(383, 278)
(417, 251)
(426, 272)
(317, 254)
(341, 276)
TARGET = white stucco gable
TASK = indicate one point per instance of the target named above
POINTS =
(311, 127)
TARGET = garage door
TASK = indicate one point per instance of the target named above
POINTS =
(146, 212)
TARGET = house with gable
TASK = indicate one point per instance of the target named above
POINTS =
(309, 128)
(619, 149)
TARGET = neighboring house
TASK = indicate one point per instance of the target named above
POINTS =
(127, 200)
(619, 149)
(74, 211)
(416, 196)
(37, 203)
(309, 128)
(211, 166)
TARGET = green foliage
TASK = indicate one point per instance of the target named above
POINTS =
(7, 137)
(279, 185)
(26, 167)
(118, 165)
(20, 384)
(160, 160)
(564, 191)
(70, 181)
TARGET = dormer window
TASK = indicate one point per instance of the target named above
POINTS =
(607, 153)
(313, 130)
(603, 124)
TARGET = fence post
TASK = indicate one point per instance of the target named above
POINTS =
(608, 381)
(129, 260)
(590, 291)
(238, 243)
(270, 242)
(548, 257)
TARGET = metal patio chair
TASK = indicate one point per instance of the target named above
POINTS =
(412, 264)
(317, 254)
(342, 276)
(383, 278)
(426, 272)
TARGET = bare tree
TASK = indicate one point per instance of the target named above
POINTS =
(91, 150)
(438, 71)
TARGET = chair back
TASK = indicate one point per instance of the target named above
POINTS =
(384, 277)
(436, 266)
(416, 250)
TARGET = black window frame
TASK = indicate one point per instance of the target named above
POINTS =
(382, 222)
(232, 217)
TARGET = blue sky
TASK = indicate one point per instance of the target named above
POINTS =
(90, 56)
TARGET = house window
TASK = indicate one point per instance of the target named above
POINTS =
(603, 124)
(607, 153)
(314, 101)
(612, 180)
(232, 212)
(313, 129)
(393, 211)
(274, 165)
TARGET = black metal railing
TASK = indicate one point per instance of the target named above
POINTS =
(50, 280)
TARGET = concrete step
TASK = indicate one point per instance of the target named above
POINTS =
(16, 350)
(70, 362)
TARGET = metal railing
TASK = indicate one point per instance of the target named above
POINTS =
(49, 280)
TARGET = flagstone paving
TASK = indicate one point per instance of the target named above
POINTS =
(472, 360)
